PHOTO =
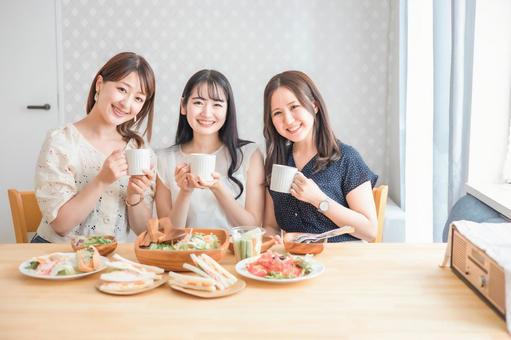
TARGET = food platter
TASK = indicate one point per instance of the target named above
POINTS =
(316, 269)
(72, 258)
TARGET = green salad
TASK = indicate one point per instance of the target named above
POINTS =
(96, 240)
(198, 241)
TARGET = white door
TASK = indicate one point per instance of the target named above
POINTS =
(28, 64)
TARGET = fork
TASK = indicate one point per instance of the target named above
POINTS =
(308, 238)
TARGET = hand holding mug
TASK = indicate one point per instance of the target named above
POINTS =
(200, 183)
(305, 189)
(138, 184)
(114, 167)
(182, 175)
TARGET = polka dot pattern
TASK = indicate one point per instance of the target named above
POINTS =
(336, 181)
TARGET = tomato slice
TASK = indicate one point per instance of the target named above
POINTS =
(257, 269)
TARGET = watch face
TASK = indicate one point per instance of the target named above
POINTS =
(323, 206)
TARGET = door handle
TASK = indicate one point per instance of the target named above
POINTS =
(39, 107)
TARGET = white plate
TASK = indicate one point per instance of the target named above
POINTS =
(32, 273)
(241, 268)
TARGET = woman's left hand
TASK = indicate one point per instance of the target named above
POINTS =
(137, 185)
(305, 189)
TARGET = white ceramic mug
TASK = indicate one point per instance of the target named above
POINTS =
(202, 165)
(282, 177)
(138, 161)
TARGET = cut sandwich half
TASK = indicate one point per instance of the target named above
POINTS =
(192, 282)
(88, 259)
(123, 281)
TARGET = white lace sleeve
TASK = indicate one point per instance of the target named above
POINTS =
(54, 179)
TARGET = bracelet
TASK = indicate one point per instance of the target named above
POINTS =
(132, 205)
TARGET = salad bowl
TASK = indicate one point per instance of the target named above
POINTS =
(105, 244)
(301, 248)
(173, 259)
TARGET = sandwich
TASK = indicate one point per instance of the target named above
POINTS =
(212, 276)
(192, 282)
(122, 281)
(88, 259)
(140, 266)
(127, 276)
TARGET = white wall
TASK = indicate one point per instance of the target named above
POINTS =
(343, 45)
(349, 48)
(491, 91)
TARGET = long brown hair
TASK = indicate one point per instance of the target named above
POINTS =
(118, 67)
(277, 147)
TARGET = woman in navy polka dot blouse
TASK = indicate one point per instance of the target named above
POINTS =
(333, 186)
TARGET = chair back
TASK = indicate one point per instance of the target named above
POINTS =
(26, 214)
(380, 201)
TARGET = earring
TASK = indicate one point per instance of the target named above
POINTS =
(134, 119)
(96, 97)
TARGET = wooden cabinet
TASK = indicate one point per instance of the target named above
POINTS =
(479, 271)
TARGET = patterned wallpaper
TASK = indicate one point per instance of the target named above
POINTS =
(346, 46)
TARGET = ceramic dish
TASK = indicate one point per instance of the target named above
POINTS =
(72, 256)
(241, 268)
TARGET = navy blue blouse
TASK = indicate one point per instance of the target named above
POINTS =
(336, 181)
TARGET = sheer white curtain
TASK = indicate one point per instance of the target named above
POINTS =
(453, 44)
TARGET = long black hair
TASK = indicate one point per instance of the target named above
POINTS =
(228, 133)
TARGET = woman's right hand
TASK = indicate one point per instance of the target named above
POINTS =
(278, 240)
(182, 176)
(114, 167)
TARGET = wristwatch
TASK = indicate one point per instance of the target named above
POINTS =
(324, 205)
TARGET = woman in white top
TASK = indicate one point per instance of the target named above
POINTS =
(81, 178)
(207, 124)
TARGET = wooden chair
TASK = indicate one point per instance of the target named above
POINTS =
(26, 214)
(380, 200)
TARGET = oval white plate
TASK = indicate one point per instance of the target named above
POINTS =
(241, 268)
(32, 273)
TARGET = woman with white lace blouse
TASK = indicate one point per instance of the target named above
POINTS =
(82, 185)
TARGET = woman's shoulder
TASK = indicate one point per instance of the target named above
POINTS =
(248, 146)
(248, 149)
(169, 156)
(352, 162)
(63, 136)
(348, 152)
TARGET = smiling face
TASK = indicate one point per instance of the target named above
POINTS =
(120, 101)
(290, 118)
(205, 112)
